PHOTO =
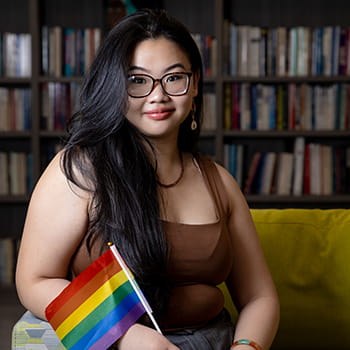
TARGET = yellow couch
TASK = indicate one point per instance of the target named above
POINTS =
(308, 252)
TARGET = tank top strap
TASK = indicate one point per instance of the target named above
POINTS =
(214, 182)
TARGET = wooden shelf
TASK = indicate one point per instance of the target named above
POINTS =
(14, 199)
(288, 79)
(15, 81)
(15, 134)
(288, 133)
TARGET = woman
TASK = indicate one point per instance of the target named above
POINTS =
(129, 174)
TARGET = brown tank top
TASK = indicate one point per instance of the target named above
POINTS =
(200, 258)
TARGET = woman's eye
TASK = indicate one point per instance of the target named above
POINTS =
(137, 80)
(174, 77)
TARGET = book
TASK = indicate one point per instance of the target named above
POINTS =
(235, 106)
(227, 106)
(4, 174)
(18, 173)
(242, 50)
(327, 51)
(326, 165)
(233, 37)
(298, 167)
(281, 51)
(209, 103)
(268, 173)
(284, 173)
(292, 51)
(302, 51)
(315, 168)
(245, 107)
(252, 173)
(254, 36)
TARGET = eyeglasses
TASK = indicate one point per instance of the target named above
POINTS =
(173, 84)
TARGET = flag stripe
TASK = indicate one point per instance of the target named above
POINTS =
(90, 304)
(84, 293)
(119, 328)
(98, 314)
(114, 317)
(89, 273)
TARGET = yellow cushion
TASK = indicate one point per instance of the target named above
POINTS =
(308, 252)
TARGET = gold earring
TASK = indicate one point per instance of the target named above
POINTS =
(193, 113)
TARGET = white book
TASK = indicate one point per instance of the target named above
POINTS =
(298, 168)
(242, 52)
(25, 55)
(254, 51)
(268, 172)
(281, 51)
(302, 51)
(292, 51)
(10, 54)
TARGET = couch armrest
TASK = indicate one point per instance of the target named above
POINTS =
(36, 332)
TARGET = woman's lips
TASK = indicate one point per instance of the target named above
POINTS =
(159, 114)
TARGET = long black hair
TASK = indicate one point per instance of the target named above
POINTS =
(110, 153)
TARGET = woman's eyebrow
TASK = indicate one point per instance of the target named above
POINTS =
(176, 65)
(170, 68)
(138, 68)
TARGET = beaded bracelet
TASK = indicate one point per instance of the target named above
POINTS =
(247, 342)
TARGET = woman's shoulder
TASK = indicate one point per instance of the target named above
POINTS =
(220, 174)
(54, 180)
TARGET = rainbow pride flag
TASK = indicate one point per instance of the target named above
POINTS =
(98, 306)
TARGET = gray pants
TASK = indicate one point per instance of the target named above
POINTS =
(215, 335)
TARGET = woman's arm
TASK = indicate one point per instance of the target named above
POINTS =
(56, 222)
(250, 282)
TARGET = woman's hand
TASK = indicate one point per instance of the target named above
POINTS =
(141, 337)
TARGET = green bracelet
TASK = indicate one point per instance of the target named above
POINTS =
(247, 342)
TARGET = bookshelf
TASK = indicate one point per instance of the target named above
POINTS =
(209, 19)
(268, 16)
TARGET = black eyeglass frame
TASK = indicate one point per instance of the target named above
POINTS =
(160, 80)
